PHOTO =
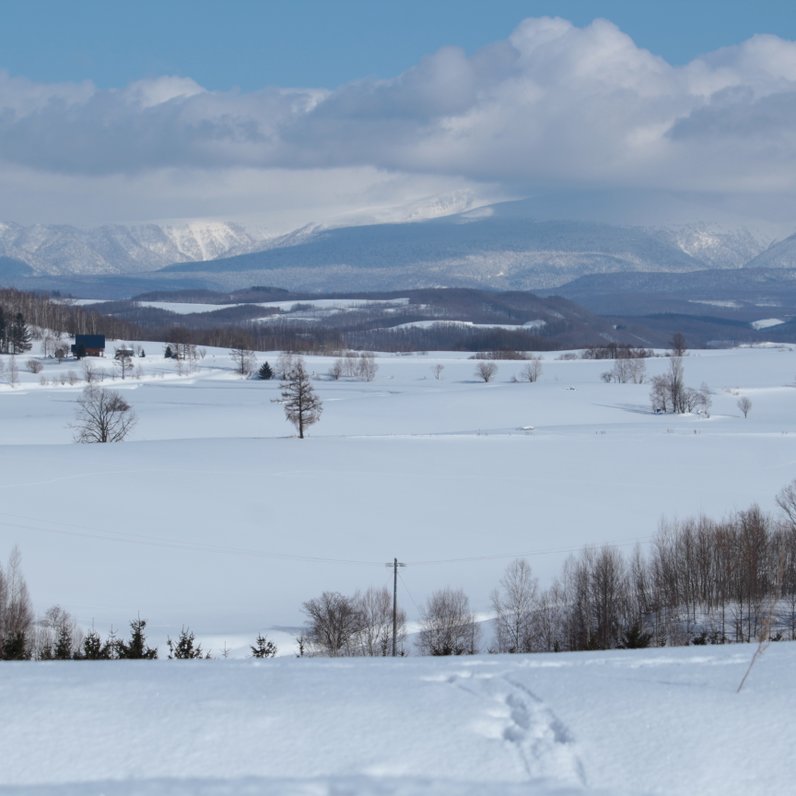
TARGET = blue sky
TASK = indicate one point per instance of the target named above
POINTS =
(251, 43)
(286, 113)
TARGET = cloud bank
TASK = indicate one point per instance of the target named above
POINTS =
(552, 106)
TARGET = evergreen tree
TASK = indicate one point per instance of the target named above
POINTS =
(136, 648)
(20, 336)
(185, 647)
(265, 373)
(635, 638)
(15, 647)
(263, 648)
(63, 643)
(93, 648)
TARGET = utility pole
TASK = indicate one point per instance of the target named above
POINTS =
(395, 564)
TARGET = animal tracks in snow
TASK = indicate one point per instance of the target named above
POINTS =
(512, 714)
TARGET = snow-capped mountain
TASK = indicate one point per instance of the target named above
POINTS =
(779, 255)
(500, 246)
(717, 247)
(119, 249)
(503, 246)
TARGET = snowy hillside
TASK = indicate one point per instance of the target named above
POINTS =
(214, 515)
(780, 255)
(121, 249)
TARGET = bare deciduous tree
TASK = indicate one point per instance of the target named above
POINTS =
(244, 359)
(678, 344)
(532, 369)
(375, 613)
(102, 416)
(485, 370)
(437, 370)
(334, 623)
(366, 366)
(515, 605)
(745, 405)
(302, 406)
(448, 625)
(16, 612)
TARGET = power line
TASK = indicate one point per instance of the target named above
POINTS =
(528, 554)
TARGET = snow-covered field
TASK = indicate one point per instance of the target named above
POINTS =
(215, 516)
(665, 721)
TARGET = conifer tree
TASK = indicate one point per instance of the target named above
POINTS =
(185, 648)
(302, 406)
(136, 648)
(93, 648)
(263, 648)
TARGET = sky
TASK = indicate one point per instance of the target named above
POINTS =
(282, 114)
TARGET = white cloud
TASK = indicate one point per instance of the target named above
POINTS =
(553, 105)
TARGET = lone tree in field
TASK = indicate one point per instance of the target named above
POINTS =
(486, 371)
(302, 405)
(744, 404)
(102, 416)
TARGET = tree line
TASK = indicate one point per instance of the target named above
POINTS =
(701, 581)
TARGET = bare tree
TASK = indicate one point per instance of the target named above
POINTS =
(302, 406)
(16, 612)
(678, 344)
(532, 369)
(336, 369)
(366, 366)
(102, 416)
(13, 371)
(334, 623)
(437, 370)
(485, 370)
(744, 404)
(515, 605)
(375, 613)
(123, 361)
(786, 500)
(244, 359)
(448, 625)
(34, 366)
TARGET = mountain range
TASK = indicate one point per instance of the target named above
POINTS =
(499, 246)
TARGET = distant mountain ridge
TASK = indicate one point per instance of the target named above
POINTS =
(120, 249)
(499, 246)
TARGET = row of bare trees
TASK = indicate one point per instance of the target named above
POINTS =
(360, 625)
(702, 581)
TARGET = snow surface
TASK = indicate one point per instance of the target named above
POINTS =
(767, 323)
(663, 721)
(215, 516)
(188, 308)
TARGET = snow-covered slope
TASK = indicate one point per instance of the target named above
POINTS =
(716, 247)
(215, 516)
(780, 255)
(625, 723)
(120, 249)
